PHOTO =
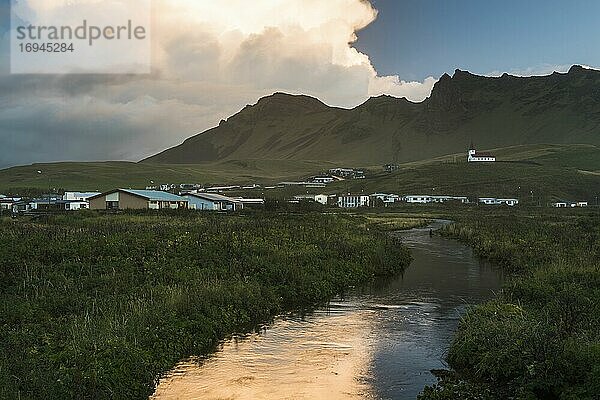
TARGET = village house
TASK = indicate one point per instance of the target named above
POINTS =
(353, 201)
(303, 184)
(317, 198)
(475, 156)
(79, 196)
(250, 202)
(565, 204)
(417, 199)
(347, 173)
(131, 199)
(6, 203)
(385, 199)
(492, 201)
(322, 179)
(212, 202)
(447, 199)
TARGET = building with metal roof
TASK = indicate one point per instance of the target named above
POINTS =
(134, 199)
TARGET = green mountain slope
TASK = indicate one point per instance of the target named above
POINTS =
(493, 112)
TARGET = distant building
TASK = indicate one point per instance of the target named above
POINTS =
(385, 199)
(492, 201)
(475, 156)
(250, 202)
(212, 202)
(417, 199)
(391, 167)
(322, 179)
(565, 204)
(347, 173)
(447, 199)
(80, 196)
(6, 203)
(353, 201)
(426, 199)
(317, 198)
(131, 199)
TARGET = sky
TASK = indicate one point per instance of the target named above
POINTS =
(420, 38)
(211, 58)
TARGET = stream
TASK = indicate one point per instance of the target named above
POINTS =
(377, 342)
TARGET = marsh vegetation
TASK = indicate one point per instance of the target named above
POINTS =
(97, 306)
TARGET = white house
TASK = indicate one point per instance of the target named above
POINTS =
(560, 204)
(418, 199)
(322, 179)
(354, 201)
(446, 199)
(79, 196)
(386, 199)
(6, 203)
(75, 205)
(318, 198)
(250, 202)
(475, 156)
(508, 202)
(212, 202)
(492, 201)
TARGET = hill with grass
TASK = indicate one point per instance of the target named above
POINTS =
(493, 112)
(551, 172)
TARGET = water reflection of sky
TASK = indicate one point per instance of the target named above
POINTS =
(378, 342)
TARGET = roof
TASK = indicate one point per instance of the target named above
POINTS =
(213, 197)
(83, 194)
(152, 195)
(477, 154)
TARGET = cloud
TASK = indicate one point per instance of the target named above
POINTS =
(210, 58)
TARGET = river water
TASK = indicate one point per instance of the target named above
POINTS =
(379, 342)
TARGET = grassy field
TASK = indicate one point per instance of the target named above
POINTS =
(97, 307)
(569, 172)
(534, 174)
(103, 176)
(540, 339)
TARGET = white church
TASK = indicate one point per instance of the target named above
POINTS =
(475, 156)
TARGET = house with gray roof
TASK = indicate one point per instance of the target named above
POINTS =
(212, 202)
(132, 199)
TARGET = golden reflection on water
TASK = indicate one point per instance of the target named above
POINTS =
(293, 359)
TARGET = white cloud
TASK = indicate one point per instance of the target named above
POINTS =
(210, 58)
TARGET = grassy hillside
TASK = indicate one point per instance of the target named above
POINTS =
(570, 172)
(549, 171)
(493, 112)
(107, 175)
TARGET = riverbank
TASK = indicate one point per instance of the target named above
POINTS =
(377, 341)
(99, 306)
(541, 337)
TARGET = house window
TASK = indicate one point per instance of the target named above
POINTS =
(112, 205)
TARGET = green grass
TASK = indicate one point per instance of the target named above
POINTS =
(541, 337)
(104, 176)
(552, 172)
(97, 307)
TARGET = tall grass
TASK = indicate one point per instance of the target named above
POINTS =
(95, 307)
(541, 337)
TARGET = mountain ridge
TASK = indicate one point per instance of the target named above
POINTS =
(492, 111)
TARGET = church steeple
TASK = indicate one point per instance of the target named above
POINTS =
(472, 146)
